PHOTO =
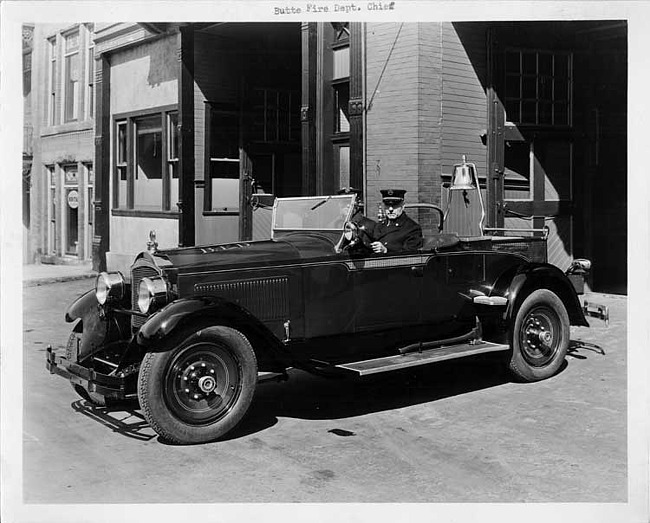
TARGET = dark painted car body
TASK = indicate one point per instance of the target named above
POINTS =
(304, 300)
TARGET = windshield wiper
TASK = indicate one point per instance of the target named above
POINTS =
(321, 203)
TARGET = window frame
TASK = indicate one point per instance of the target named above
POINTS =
(72, 101)
(128, 166)
(340, 138)
(509, 75)
(50, 106)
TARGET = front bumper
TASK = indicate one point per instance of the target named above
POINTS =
(108, 386)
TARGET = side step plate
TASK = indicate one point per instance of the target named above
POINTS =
(413, 359)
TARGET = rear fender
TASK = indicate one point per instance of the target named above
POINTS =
(161, 331)
(520, 282)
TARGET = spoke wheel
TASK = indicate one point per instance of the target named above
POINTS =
(540, 336)
(201, 389)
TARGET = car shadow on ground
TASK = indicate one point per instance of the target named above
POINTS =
(306, 396)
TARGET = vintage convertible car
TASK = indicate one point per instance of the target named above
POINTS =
(191, 331)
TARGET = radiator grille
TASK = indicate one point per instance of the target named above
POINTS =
(142, 270)
(266, 298)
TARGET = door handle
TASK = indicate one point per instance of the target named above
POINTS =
(417, 270)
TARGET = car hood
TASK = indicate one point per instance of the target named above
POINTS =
(251, 253)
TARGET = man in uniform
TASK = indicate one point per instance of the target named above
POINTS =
(398, 232)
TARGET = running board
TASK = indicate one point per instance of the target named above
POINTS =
(413, 359)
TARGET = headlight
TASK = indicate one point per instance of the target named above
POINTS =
(109, 286)
(153, 292)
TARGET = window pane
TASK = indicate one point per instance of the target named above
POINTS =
(529, 87)
(172, 126)
(173, 186)
(341, 107)
(545, 113)
(341, 63)
(529, 61)
(528, 112)
(561, 114)
(545, 63)
(512, 62)
(71, 86)
(344, 166)
(513, 87)
(545, 88)
(121, 187)
(561, 66)
(148, 163)
(512, 111)
(121, 143)
(561, 89)
(72, 42)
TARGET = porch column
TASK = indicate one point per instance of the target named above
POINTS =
(356, 105)
(102, 202)
(495, 135)
(186, 225)
(308, 108)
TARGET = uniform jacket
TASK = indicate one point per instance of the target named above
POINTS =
(401, 234)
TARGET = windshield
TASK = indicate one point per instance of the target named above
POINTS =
(313, 213)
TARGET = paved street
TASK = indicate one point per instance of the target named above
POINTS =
(456, 432)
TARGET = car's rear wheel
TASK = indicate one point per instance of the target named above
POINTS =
(201, 389)
(540, 336)
(71, 353)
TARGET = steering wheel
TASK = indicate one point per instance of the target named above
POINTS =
(356, 237)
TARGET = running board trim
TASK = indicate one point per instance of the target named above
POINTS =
(413, 359)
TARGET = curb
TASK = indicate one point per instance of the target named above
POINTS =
(35, 282)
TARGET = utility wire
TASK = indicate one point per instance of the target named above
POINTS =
(384, 68)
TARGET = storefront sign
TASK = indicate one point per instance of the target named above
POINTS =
(73, 199)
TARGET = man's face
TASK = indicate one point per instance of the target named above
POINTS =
(393, 209)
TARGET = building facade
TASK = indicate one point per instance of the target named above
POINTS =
(198, 125)
(61, 121)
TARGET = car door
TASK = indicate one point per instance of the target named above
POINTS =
(387, 290)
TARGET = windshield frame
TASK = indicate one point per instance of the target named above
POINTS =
(318, 202)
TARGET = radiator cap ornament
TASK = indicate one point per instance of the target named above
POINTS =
(152, 244)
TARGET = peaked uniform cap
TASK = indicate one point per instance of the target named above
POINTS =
(392, 195)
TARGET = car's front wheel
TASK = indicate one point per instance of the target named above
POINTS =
(201, 389)
(540, 336)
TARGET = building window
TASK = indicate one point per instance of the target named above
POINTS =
(90, 82)
(538, 87)
(121, 155)
(50, 117)
(71, 77)
(222, 145)
(340, 85)
(276, 115)
(146, 161)
(172, 160)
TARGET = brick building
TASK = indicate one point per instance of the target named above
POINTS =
(193, 118)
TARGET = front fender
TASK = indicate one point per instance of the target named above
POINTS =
(81, 306)
(158, 334)
(532, 276)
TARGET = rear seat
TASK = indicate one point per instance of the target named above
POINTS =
(441, 241)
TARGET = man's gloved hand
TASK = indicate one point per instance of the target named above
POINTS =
(378, 247)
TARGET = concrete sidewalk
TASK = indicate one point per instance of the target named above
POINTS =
(42, 274)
